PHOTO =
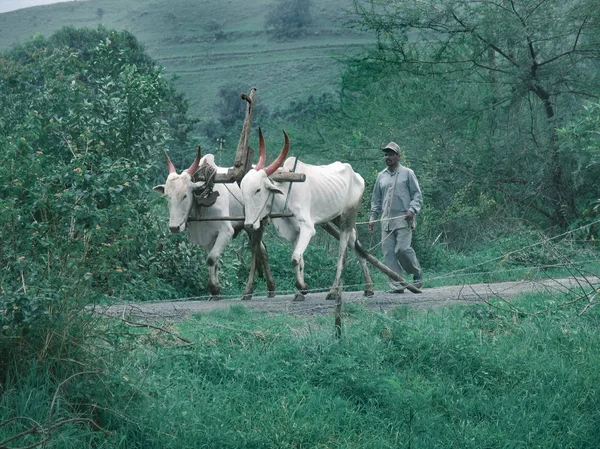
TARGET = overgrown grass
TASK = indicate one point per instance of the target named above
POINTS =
(526, 255)
(463, 377)
(468, 377)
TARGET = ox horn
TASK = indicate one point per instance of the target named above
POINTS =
(170, 164)
(194, 167)
(262, 153)
(277, 162)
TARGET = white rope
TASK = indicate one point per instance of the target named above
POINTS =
(236, 198)
(380, 220)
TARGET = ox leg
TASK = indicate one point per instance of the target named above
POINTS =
(213, 265)
(213, 280)
(300, 284)
(260, 259)
(356, 246)
(335, 291)
(265, 263)
(253, 263)
(369, 287)
(302, 242)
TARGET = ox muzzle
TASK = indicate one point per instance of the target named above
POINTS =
(177, 229)
(252, 226)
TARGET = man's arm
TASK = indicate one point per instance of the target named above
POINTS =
(416, 197)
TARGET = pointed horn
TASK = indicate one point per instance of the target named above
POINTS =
(170, 164)
(277, 162)
(262, 153)
(194, 167)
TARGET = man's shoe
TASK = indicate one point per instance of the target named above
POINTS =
(418, 280)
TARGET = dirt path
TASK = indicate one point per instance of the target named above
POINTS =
(316, 304)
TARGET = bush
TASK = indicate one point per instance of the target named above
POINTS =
(289, 19)
(85, 116)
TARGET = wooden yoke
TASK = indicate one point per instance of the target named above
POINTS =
(245, 155)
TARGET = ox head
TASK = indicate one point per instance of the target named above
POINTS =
(257, 188)
(180, 189)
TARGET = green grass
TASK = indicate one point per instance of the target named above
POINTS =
(178, 35)
(464, 377)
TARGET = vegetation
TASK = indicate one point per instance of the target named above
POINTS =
(83, 115)
(212, 44)
(507, 67)
(289, 18)
(466, 377)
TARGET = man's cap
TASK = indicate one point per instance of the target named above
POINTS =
(392, 146)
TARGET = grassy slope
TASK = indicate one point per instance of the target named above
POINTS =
(177, 34)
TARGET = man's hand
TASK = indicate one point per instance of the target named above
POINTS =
(410, 215)
(371, 226)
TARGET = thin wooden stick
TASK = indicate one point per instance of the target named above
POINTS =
(134, 324)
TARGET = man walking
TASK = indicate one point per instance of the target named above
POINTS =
(397, 197)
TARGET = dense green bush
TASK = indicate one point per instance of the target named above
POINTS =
(84, 118)
(289, 19)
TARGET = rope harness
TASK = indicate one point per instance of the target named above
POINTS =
(206, 196)
(272, 196)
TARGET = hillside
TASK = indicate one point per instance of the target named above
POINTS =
(209, 44)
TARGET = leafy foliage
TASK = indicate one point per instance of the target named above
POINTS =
(289, 19)
(471, 123)
(84, 116)
(581, 139)
(505, 76)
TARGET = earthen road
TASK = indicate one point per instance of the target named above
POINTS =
(316, 304)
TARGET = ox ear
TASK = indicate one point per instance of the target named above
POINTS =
(160, 189)
(273, 189)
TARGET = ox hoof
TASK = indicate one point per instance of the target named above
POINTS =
(271, 294)
(303, 290)
(369, 293)
(247, 297)
(299, 297)
(333, 296)
(214, 298)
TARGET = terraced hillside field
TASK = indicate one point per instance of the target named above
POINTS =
(209, 44)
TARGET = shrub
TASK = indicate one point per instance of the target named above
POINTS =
(288, 19)
(85, 115)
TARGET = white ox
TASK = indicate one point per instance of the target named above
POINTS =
(213, 236)
(330, 193)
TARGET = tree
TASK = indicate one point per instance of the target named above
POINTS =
(289, 19)
(582, 137)
(84, 119)
(530, 62)
(231, 108)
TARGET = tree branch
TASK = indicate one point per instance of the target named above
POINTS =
(506, 56)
